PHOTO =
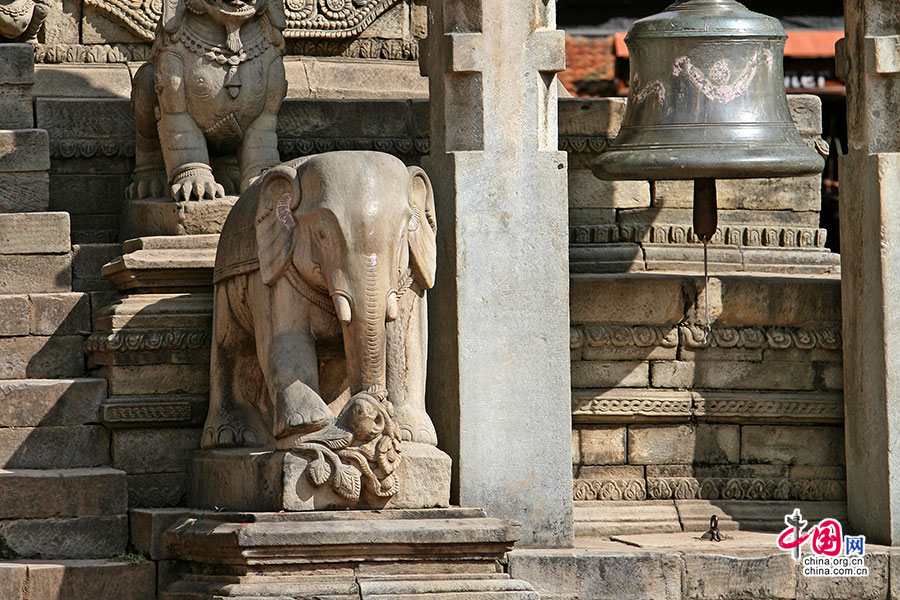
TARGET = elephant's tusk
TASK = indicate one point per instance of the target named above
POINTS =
(393, 308)
(342, 308)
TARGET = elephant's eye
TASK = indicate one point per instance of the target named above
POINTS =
(322, 235)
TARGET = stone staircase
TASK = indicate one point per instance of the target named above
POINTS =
(63, 509)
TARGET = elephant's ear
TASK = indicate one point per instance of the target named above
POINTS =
(422, 229)
(279, 196)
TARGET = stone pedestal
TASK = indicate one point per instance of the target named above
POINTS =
(244, 479)
(452, 554)
(870, 226)
(498, 387)
(165, 263)
(162, 216)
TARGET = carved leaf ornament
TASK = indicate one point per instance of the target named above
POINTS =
(305, 18)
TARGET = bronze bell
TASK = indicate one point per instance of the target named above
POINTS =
(707, 101)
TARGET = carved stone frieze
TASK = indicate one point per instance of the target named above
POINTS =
(90, 53)
(632, 404)
(825, 337)
(296, 147)
(305, 18)
(149, 340)
(640, 336)
(712, 488)
(733, 235)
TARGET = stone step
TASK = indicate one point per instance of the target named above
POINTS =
(42, 356)
(77, 580)
(74, 537)
(56, 493)
(32, 273)
(66, 447)
(88, 259)
(45, 314)
(46, 402)
(34, 233)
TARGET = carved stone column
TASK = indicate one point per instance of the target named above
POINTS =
(498, 371)
(870, 270)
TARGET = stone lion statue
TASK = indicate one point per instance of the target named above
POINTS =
(206, 101)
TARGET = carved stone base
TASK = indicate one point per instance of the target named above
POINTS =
(253, 480)
(162, 216)
(165, 263)
(451, 554)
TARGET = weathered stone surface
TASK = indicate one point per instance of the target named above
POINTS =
(603, 519)
(791, 260)
(34, 233)
(15, 107)
(586, 191)
(708, 577)
(733, 375)
(630, 405)
(602, 445)
(54, 447)
(33, 356)
(33, 402)
(157, 490)
(684, 216)
(792, 445)
(61, 26)
(592, 216)
(612, 373)
(14, 315)
(24, 150)
(89, 258)
(346, 80)
(789, 193)
(13, 581)
(83, 579)
(393, 23)
(753, 515)
(137, 412)
(778, 301)
(671, 257)
(87, 196)
(576, 446)
(154, 450)
(587, 575)
(38, 494)
(605, 258)
(831, 376)
(24, 192)
(636, 299)
(35, 273)
(17, 66)
(60, 314)
(98, 28)
(161, 216)
(79, 537)
(661, 444)
(147, 526)
(156, 379)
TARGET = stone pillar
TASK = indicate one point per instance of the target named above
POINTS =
(870, 271)
(499, 326)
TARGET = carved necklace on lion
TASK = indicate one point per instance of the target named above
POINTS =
(219, 53)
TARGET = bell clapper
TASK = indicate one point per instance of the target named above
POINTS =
(705, 221)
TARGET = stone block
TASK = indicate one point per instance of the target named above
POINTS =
(141, 412)
(785, 193)
(84, 579)
(733, 375)
(600, 117)
(60, 314)
(603, 519)
(35, 273)
(831, 376)
(157, 490)
(60, 82)
(791, 260)
(635, 299)
(33, 356)
(16, 111)
(89, 258)
(576, 446)
(689, 258)
(346, 80)
(147, 526)
(34, 233)
(595, 575)
(751, 407)
(605, 258)
(80, 537)
(14, 315)
(419, 19)
(54, 447)
(44, 402)
(161, 216)
(592, 216)
(717, 577)
(736, 217)
(46, 493)
(24, 192)
(24, 150)
(612, 373)
(16, 64)
(662, 444)
(13, 581)
(603, 445)
(779, 301)
(154, 450)
(88, 194)
(157, 379)
(586, 191)
(244, 479)
(874, 586)
(792, 445)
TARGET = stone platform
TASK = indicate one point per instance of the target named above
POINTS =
(447, 554)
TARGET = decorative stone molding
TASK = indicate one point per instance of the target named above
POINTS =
(733, 235)
(90, 53)
(158, 496)
(617, 405)
(638, 336)
(291, 148)
(72, 148)
(824, 337)
(713, 488)
(305, 18)
(150, 340)
(584, 144)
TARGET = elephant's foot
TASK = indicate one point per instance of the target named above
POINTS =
(298, 409)
(415, 425)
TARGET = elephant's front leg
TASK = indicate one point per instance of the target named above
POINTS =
(259, 147)
(287, 355)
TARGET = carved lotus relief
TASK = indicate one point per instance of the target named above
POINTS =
(305, 18)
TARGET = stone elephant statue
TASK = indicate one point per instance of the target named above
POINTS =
(320, 280)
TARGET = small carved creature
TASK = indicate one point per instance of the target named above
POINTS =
(215, 81)
(21, 19)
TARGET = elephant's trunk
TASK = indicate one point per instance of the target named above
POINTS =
(364, 336)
